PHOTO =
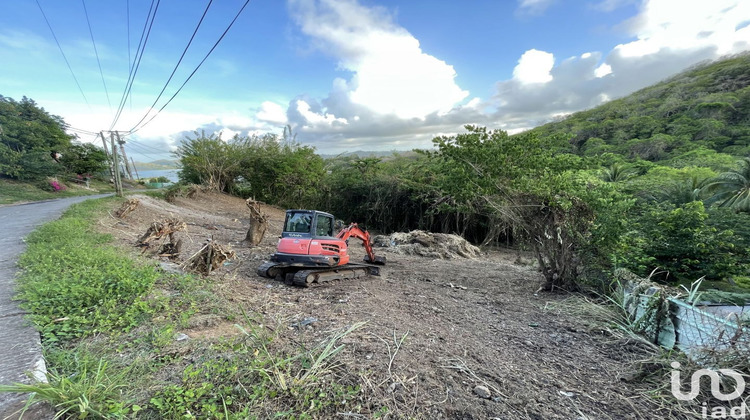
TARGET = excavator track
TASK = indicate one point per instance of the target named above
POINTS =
(306, 277)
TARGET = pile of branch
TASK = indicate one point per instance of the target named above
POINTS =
(157, 233)
(210, 257)
(427, 244)
(127, 207)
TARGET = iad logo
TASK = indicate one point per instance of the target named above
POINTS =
(737, 412)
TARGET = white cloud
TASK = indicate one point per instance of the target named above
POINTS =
(317, 118)
(603, 70)
(272, 112)
(534, 7)
(697, 25)
(610, 5)
(392, 75)
(534, 67)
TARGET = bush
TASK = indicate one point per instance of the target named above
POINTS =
(160, 179)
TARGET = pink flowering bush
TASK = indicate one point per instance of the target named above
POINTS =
(55, 185)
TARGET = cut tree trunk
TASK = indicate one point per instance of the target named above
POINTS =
(258, 223)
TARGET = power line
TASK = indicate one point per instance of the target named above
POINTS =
(139, 149)
(88, 22)
(127, 10)
(135, 129)
(145, 146)
(176, 65)
(63, 54)
(137, 62)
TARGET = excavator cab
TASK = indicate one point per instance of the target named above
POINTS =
(307, 224)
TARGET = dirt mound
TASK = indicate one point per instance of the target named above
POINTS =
(427, 244)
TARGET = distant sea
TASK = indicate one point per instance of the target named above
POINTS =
(171, 174)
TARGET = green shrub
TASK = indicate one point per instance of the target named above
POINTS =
(684, 246)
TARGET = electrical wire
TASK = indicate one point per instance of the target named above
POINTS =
(127, 13)
(88, 22)
(145, 152)
(135, 129)
(139, 55)
(176, 65)
(130, 66)
(80, 130)
(146, 146)
(63, 54)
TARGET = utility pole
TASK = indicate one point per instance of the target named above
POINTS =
(124, 156)
(116, 163)
(109, 156)
(135, 169)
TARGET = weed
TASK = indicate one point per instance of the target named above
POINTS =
(89, 392)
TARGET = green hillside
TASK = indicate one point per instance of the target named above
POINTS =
(161, 164)
(704, 108)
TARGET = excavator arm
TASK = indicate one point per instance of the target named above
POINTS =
(354, 231)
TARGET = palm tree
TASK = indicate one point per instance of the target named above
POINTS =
(617, 172)
(684, 192)
(731, 189)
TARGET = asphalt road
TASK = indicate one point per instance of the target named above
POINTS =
(20, 348)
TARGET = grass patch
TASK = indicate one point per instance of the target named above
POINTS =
(109, 324)
(14, 191)
(74, 284)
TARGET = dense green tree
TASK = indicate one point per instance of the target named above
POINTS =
(26, 127)
(617, 172)
(279, 171)
(28, 136)
(681, 244)
(208, 160)
(84, 159)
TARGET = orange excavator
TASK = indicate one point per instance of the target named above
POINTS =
(308, 252)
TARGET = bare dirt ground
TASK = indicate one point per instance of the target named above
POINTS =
(436, 329)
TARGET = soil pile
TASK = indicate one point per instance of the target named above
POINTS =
(427, 244)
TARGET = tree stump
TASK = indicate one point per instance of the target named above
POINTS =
(258, 223)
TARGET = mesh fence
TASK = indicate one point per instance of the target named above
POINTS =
(708, 336)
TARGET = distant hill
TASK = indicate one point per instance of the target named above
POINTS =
(362, 154)
(157, 165)
(705, 109)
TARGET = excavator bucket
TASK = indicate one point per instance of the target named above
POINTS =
(379, 260)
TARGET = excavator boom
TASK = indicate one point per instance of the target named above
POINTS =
(353, 230)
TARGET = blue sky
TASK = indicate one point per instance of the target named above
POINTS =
(351, 74)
